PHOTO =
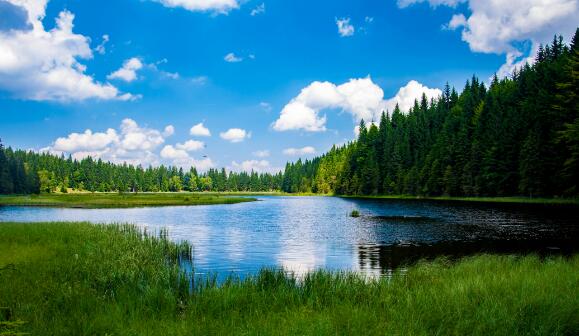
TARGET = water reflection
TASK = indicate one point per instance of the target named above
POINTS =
(306, 233)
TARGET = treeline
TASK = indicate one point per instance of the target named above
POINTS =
(25, 172)
(519, 136)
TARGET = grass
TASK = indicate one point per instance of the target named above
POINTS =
(514, 199)
(84, 279)
(355, 213)
(116, 200)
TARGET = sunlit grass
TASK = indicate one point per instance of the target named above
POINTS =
(116, 200)
(84, 279)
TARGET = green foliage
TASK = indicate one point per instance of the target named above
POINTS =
(82, 279)
(24, 172)
(520, 136)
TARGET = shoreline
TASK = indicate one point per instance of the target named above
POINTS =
(108, 200)
(120, 201)
(116, 279)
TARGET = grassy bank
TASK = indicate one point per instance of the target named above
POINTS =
(116, 200)
(83, 279)
(517, 199)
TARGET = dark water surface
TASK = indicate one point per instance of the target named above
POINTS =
(305, 233)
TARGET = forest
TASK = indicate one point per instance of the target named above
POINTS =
(519, 136)
(25, 172)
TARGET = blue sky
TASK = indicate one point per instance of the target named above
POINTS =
(211, 61)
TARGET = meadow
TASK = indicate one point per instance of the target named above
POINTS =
(86, 279)
(120, 200)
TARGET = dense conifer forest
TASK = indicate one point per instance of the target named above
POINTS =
(23, 172)
(519, 136)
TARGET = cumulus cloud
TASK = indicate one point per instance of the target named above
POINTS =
(191, 145)
(131, 143)
(218, 6)
(299, 151)
(199, 130)
(169, 130)
(178, 156)
(101, 48)
(128, 72)
(501, 27)
(87, 141)
(259, 9)
(232, 58)
(172, 153)
(345, 28)
(360, 97)
(259, 166)
(235, 135)
(261, 153)
(37, 64)
(139, 138)
(407, 94)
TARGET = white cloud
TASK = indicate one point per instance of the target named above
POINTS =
(456, 21)
(261, 153)
(199, 130)
(299, 151)
(218, 6)
(433, 3)
(138, 138)
(191, 145)
(344, 27)
(360, 97)
(259, 166)
(37, 64)
(181, 158)
(169, 130)
(131, 143)
(87, 141)
(101, 48)
(407, 94)
(235, 135)
(259, 9)
(231, 58)
(502, 27)
(170, 152)
(128, 72)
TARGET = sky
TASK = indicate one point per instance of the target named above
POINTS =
(243, 84)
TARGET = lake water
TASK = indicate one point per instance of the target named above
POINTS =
(306, 233)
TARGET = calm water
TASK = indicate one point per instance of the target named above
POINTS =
(305, 233)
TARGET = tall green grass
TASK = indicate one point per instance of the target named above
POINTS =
(83, 279)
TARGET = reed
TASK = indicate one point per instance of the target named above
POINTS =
(84, 279)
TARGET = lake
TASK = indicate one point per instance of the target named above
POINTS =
(306, 233)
